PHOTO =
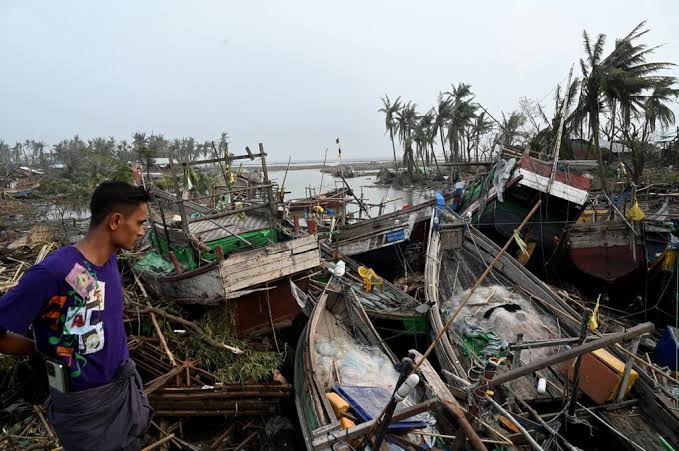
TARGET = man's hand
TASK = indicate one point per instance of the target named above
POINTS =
(15, 344)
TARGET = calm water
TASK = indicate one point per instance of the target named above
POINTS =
(297, 182)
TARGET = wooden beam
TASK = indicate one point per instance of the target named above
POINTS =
(572, 353)
(629, 363)
(362, 429)
(229, 213)
(225, 159)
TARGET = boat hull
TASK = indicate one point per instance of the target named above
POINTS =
(608, 252)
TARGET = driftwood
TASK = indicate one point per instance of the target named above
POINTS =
(158, 382)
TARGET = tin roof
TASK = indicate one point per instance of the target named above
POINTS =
(210, 231)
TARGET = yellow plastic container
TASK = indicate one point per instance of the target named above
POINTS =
(346, 423)
(339, 405)
(618, 366)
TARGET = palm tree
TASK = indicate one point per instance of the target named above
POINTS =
(617, 81)
(655, 112)
(655, 107)
(480, 126)
(441, 118)
(389, 109)
(510, 127)
(462, 113)
(145, 155)
(406, 119)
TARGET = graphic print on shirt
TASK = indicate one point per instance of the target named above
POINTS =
(77, 318)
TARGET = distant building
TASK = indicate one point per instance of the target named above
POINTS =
(161, 162)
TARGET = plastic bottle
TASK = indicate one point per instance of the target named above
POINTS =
(340, 269)
(406, 387)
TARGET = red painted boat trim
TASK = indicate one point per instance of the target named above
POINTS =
(544, 169)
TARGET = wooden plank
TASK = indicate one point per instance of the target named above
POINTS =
(276, 274)
(293, 246)
(572, 353)
(233, 279)
(158, 382)
(264, 260)
(225, 159)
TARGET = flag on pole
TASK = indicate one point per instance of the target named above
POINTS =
(339, 149)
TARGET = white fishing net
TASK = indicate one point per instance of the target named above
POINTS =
(507, 314)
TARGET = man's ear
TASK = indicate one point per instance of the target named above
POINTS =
(114, 220)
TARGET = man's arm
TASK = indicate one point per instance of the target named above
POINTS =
(15, 344)
(21, 305)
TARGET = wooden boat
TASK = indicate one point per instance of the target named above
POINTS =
(24, 191)
(498, 201)
(386, 304)
(381, 232)
(457, 255)
(237, 255)
(22, 183)
(334, 201)
(607, 250)
(337, 316)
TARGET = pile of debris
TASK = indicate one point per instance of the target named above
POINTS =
(208, 389)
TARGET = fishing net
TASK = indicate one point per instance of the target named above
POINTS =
(496, 313)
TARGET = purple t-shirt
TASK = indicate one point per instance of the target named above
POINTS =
(76, 309)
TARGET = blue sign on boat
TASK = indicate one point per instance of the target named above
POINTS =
(397, 235)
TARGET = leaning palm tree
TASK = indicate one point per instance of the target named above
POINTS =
(389, 109)
(615, 81)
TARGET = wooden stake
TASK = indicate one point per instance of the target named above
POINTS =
(628, 369)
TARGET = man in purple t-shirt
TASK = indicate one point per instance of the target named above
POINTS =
(74, 301)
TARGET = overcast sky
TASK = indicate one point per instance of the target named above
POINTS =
(293, 75)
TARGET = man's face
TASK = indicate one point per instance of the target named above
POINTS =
(127, 229)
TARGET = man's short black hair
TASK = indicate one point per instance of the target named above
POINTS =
(114, 196)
